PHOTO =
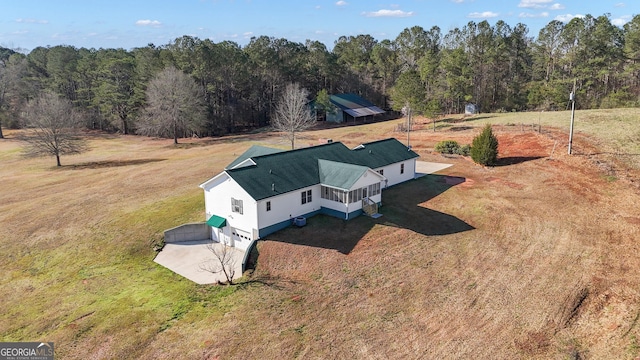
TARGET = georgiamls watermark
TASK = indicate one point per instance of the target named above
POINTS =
(26, 351)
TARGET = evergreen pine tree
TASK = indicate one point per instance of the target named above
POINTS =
(484, 148)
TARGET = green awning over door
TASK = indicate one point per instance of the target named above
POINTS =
(217, 221)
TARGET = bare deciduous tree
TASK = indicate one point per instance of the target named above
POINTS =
(293, 114)
(222, 261)
(52, 128)
(174, 106)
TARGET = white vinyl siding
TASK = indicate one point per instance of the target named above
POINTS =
(218, 194)
(286, 207)
(398, 173)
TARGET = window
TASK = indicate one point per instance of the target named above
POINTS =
(331, 194)
(381, 171)
(401, 168)
(373, 189)
(236, 206)
(335, 196)
(268, 205)
(306, 196)
(353, 196)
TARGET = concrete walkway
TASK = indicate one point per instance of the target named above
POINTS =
(424, 167)
(187, 259)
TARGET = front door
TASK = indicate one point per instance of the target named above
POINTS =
(364, 193)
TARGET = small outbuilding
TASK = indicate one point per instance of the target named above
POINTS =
(351, 107)
(470, 109)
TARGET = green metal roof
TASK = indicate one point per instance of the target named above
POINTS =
(282, 172)
(255, 150)
(355, 105)
(381, 153)
(217, 221)
(339, 175)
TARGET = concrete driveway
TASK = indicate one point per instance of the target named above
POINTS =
(187, 259)
(424, 167)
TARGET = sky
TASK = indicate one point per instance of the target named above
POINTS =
(26, 24)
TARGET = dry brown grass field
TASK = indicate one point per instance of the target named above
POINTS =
(536, 258)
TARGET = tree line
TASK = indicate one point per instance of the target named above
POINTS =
(498, 68)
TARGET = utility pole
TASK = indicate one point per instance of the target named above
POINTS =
(572, 98)
(408, 125)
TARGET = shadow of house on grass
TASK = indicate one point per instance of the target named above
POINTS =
(401, 208)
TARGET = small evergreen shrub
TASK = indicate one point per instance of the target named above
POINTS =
(452, 147)
(447, 147)
(484, 148)
(464, 150)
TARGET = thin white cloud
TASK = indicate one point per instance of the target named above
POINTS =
(389, 13)
(621, 4)
(567, 17)
(248, 34)
(457, 1)
(482, 15)
(32, 21)
(621, 20)
(543, 14)
(557, 7)
(534, 4)
(154, 23)
(342, 3)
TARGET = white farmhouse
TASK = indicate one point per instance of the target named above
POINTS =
(266, 190)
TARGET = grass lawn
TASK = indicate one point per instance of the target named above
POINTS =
(533, 259)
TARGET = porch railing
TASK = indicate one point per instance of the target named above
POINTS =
(369, 206)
